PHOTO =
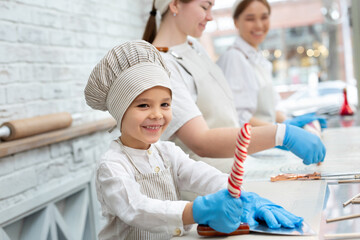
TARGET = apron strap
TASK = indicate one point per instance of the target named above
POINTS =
(237, 48)
(127, 154)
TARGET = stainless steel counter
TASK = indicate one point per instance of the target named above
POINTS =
(313, 200)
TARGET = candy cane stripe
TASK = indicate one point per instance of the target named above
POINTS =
(237, 172)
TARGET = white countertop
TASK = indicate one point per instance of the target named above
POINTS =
(306, 198)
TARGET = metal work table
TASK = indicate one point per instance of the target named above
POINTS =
(314, 200)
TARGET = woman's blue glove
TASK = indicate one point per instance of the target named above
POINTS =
(302, 120)
(257, 208)
(219, 210)
(303, 144)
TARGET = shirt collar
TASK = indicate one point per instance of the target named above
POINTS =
(139, 152)
(251, 53)
(245, 47)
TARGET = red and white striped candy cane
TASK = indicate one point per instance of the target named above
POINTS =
(237, 172)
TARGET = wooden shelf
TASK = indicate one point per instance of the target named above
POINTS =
(20, 145)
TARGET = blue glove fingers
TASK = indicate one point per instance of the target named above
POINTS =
(287, 219)
(249, 219)
(281, 218)
(319, 155)
(305, 120)
(266, 215)
(311, 157)
(258, 208)
(282, 148)
(307, 160)
(249, 209)
(230, 219)
(304, 145)
(323, 153)
(220, 211)
(225, 228)
(302, 120)
(323, 122)
(296, 221)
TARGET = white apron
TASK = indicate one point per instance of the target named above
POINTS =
(160, 185)
(214, 99)
(265, 108)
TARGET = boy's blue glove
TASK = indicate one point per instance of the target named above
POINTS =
(303, 144)
(219, 210)
(258, 208)
(302, 120)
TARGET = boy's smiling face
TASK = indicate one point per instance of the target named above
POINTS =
(146, 118)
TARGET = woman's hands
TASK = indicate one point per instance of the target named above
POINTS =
(303, 144)
(302, 120)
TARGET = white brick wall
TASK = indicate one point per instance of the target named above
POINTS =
(47, 50)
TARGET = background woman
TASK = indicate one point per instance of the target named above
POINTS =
(204, 121)
(249, 72)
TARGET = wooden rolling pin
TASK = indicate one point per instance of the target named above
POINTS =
(36, 125)
(206, 231)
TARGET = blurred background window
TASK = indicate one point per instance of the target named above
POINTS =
(309, 42)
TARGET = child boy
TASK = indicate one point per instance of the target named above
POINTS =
(138, 179)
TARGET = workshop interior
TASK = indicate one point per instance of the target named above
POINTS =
(277, 82)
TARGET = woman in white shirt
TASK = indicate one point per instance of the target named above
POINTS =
(204, 122)
(248, 72)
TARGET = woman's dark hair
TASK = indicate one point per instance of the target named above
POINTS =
(150, 29)
(244, 4)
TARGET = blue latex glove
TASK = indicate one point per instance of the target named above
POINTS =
(302, 120)
(282, 148)
(219, 210)
(305, 145)
(257, 208)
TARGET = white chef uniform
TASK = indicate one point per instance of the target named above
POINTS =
(199, 88)
(249, 75)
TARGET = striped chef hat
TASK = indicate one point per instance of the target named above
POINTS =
(124, 73)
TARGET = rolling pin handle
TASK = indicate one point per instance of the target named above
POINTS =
(4, 131)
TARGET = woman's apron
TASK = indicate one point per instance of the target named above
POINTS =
(160, 185)
(214, 99)
(265, 108)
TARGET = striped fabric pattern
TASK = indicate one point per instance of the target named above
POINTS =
(125, 72)
(160, 186)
